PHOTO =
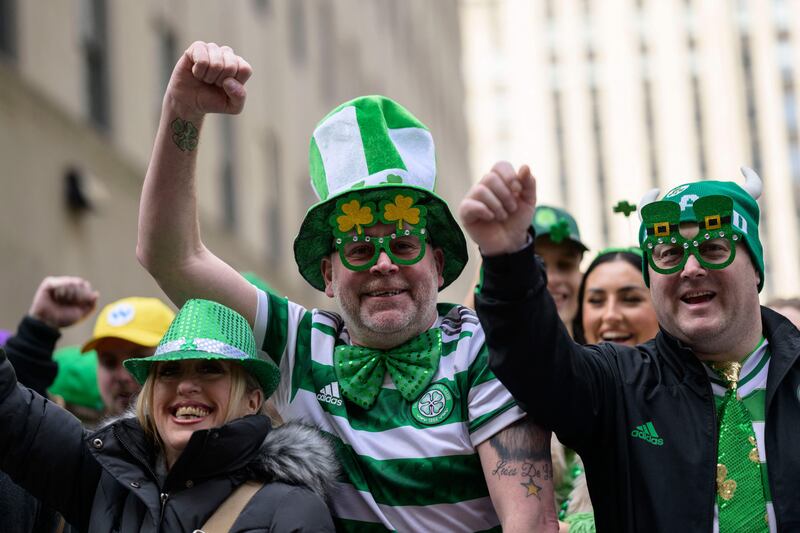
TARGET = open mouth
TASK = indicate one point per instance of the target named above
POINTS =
(617, 336)
(698, 297)
(384, 293)
(190, 412)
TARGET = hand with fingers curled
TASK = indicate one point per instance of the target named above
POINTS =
(497, 211)
(208, 78)
(62, 301)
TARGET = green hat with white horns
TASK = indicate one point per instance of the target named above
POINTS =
(372, 161)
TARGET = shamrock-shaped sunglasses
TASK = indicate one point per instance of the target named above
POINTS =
(714, 246)
(405, 245)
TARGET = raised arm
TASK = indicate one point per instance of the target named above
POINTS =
(207, 79)
(563, 386)
(59, 302)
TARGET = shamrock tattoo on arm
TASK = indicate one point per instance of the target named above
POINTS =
(184, 134)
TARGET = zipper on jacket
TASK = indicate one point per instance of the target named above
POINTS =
(164, 497)
(716, 452)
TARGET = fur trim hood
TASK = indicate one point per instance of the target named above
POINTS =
(293, 453)
(297, 454)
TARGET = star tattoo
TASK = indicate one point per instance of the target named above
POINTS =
(532, 488)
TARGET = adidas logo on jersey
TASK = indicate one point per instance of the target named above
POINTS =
(330, 394)
(647, 432)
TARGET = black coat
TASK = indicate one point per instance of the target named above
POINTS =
(106, 481)
(594, 397)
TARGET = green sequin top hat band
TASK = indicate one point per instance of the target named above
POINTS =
(735, 218)
(370, 149)
(204, 329)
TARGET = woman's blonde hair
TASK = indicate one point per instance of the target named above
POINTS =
(242, 384)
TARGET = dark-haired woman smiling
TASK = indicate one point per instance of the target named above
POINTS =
(614, 304)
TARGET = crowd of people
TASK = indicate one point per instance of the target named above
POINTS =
(649, 393)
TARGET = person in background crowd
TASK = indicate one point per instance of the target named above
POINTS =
(558, 243)
(675, 433)
(59, 301)
(130, 327)
(788, 307)
(75, 387)
(194, 443)
(427, 437)
(614, 304)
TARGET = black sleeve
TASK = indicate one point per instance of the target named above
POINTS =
(563, 386)
(42, 449)
(31, 353)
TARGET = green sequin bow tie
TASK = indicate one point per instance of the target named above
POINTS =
(740, 493)
(361, 370)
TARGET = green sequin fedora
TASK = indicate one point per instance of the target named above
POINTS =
(204, 329)
(368, 151)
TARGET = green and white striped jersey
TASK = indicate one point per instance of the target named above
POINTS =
(407, 466)
(752, 389)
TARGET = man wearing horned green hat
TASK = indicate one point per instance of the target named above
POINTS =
(428, 438)
(695, 430)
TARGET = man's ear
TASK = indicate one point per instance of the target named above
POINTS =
(326, 267)
(438, 258)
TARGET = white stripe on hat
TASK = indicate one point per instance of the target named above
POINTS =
(203, 345)
(415, 146)
(339, 142)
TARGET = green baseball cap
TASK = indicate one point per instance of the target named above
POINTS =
(76, 380)
(207, 330)
(366, 153)
(557, 224)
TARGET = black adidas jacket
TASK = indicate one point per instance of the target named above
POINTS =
(601, 400)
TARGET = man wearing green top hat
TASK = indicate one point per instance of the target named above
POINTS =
(695, 430)
(428, 438)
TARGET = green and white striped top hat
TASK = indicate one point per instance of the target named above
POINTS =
(204, 329)
(372, 146)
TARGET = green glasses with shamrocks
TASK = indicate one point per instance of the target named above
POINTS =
(405, 245)
(362, 251)
(714, 245)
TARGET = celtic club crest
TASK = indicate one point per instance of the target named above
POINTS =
(434, 405)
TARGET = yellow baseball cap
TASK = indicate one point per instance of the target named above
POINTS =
(142, 321)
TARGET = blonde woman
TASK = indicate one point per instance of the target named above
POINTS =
(196, 437)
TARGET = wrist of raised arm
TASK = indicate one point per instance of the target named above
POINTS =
(173, 108)
(511, 276)
(36, 332)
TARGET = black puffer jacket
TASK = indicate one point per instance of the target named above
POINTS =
(106, 482)
(595, 397)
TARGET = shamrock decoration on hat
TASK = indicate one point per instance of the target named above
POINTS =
(372, 161)
(725, 214)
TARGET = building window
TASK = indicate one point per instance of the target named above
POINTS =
(275, 201)
(95, 53)
(326, 37)
(168, 56)
(8, 28)
(228, 173)
(297, 32)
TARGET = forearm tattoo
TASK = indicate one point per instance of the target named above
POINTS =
(524, 453)
(184, 134)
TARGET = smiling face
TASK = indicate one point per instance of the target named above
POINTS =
(386, 304)
(617, 305)
(562, 263)
(715, 312)
(116, 385)
(195, 394)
